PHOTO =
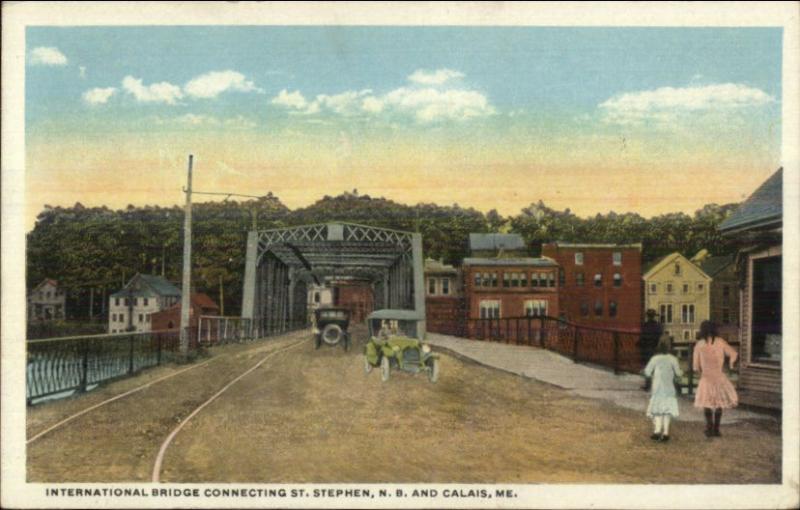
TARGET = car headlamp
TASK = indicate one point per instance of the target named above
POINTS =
(426, 348)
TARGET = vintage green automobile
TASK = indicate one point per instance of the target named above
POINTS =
(392, 344)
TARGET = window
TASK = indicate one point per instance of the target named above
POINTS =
(116, 301)
(515, 279)
(579, 259)
(668, 288)
(494, 279)
(700, 287)
(687, 314)
(490, 309)
(534, 280)
(477, 279)
(146, 301)
(562, 277)
(598, 280)
(551, 279)
(121, 317)
(653, 288)
(113, 317)
(141, 318)
(579, 280)
(685, 288)
(127, 301)
(445, 286)
(726, 294)
(584, 308)
(431, 286)
(677, 269)
(535, 308)
(612, 308)
(542, 279)
(617, 280)
(766, 330)
(617, 258)
(726, 315)
(506, 279)
(666, 314)
(317, 297)
(598, 308)
(523, 282)
(687, 334)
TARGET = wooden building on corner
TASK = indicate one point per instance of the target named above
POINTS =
(757, 227)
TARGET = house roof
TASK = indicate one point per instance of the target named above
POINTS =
(589, 246)
(52, 282)
(516, 261)
(496, 242)
(199, 300)
(140, 284)
(654, 267)
(763, 208)
(713, 265)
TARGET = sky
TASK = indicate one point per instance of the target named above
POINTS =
(649, 120)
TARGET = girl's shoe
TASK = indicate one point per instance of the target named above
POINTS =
(663, 439)
(709, 432)
(655, 437)
(716, 433)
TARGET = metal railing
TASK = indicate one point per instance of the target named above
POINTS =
(215, 329)
(67, 364)
(615, 349)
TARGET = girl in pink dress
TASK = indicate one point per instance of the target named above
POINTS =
(714, 392)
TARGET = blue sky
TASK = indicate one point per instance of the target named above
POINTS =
(344, 104)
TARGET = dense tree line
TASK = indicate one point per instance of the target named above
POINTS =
(93, 251)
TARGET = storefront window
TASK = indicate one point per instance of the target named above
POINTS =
(766, 333)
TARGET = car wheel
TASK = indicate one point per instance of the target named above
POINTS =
(367, 365)
(433, 374)
(386, 368)
(332, 334)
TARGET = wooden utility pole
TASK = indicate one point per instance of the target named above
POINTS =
(221, 297)
(186, 286)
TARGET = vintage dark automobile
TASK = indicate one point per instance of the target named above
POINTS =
(330, 327)
(392, 345)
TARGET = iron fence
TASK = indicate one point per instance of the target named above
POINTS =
(615, 349)
(689, 380)
(67, 364)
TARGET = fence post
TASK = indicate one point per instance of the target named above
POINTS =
(530, 340)
(130, 360)
(542, 333)
(690, 382)
(576, 338)
(85, 365)
(616, 352)
(506, 334)
(158, 347)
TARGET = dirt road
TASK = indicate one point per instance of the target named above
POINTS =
(315, 416)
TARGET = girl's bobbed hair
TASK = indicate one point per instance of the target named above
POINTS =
(708, 330)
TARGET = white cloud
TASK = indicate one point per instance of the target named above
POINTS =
(47, 56)
(288, 99)
(202, 120)
(163, 92)
(665, 104)
(437, 77)
(425, 104)
(99, 95)
(212, 84)
(431, 105)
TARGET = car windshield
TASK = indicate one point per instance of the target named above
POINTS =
(333, 314)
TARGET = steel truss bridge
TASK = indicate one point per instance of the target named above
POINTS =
(281, 263)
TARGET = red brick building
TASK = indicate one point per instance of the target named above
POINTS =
(444, 298)
(510, 287)
(355, 295)
(600, 284)
(170, 318)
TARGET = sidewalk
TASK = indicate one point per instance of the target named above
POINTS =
(622, 390)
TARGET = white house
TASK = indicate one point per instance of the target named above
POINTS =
(130, 308)
(46, 302)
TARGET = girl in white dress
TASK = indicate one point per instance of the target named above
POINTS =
(663, 368)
